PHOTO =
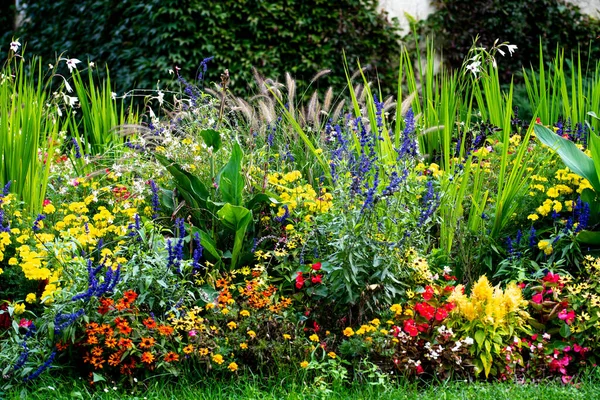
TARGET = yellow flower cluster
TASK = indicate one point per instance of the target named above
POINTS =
(302, 197)
(566, 184)
(491, 305)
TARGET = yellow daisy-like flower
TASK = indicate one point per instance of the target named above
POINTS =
(217, 358)
(232, 325)
(332, 354)
(232, 367)
(203, 351)
(286, 336)
(252, 334)
(189, 349)
(314, 338)
(348, 332)
(243, 346)
(304, 364)
(245, 313)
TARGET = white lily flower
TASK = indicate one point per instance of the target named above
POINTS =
(474, 67)
(71, 63)
(501, 52)
(113, 95)
(511, 48)
(14, 45)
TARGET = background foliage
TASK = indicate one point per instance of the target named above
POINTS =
(141, 41)
(456, 23)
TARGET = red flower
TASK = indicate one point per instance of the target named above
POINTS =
(46, 202)
(538, 120)
(428, 294)
(299, 281)
(316, 266)
(316, 279)
(537, 298)
(410, 328)
(425, 310)
(419, 369)
(440, 314)
(551, 277)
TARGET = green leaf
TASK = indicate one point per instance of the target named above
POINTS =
(98, 377)
(486, 360)
(573, 158)
(212, 139)
(565, 331)
(589, 237)
(261, 198)
(191, 188)
(480, 337)
(231, 182)
(237, 219)
(207, 243)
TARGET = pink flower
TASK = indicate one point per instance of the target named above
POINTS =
(551, 277)
(192, 333)
(537, 298)
(25, 323)
(568, 317)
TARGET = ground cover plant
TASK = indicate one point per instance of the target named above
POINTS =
(427, 235)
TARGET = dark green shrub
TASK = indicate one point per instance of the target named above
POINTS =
(456, 23)
(141, 41)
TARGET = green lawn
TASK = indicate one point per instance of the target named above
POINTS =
(249, 387)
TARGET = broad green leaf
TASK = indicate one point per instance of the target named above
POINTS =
(190, 186)
(589, 237)
(479, 338)
(231, 181)
(208, 244)
(573, 158)
(486, 360)
(212, 139)
(565, 331)
(237, 219)
(261, 198)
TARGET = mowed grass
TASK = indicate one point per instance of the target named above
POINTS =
(254, 387)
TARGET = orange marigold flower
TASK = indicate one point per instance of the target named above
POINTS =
(106, 330)
(97, 351)
(171, 357)
(60, 346)
(130, 296)
(125, 343)
(189, 349)
(105, 306)
(125, 329)
(165, 330)
(147, 357)
(222, 283)
(97, 362)
(147, 343)
(150, 323)
(91, 339)
(114, 359)
(110, 342)
(122, 304)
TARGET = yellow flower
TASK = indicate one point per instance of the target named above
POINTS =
(217, 358)
(30, 298)
(304, 364)
(210, 306)
(314, 338)
(252, 334)
(232, 325)
(232, 367)
(243, 346)
(245, 313)
(203, 351)
(375, 322)
(482, 290)
(225, 311)
(348, 332)
(286, 336)
(19, 308)
(396, 308)
(533, 217)
(332, 354)
(289, 227)
(189, 349)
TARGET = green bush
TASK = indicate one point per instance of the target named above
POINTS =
(456, 23)
(141, 41)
